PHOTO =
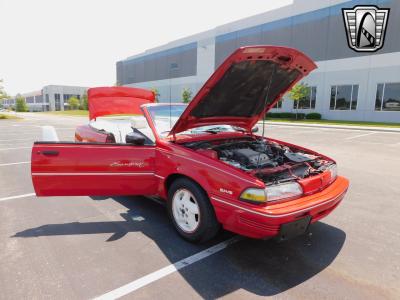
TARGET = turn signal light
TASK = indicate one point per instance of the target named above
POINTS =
(254, 195)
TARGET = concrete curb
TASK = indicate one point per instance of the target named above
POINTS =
(365, 128)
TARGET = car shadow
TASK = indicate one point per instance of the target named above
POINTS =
(264, 268)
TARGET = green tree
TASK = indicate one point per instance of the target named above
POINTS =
(73, 102)
(84, 102)
(186, 95)
(297, 93)
(20, 104)
(3, 94)
(156, 94)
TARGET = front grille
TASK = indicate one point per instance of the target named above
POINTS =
(267, 227)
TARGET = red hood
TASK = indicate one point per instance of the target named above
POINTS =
(245, 86)
(117, 100)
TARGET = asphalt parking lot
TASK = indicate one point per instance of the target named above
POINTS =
(83, 247)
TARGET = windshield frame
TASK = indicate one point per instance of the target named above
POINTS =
(148, 115)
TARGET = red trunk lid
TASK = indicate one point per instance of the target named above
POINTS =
(117, 100)
(245, 86)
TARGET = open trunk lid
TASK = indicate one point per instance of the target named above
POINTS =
(117, 100)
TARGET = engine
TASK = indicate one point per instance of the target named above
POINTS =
(247, 158)
(267, 160)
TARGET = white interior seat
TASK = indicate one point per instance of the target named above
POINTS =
(121, 127)
(108, 126)
(49, 134)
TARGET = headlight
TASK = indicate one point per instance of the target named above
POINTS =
(283, 191)
(333, 170)
(272, 193)
(254, 195)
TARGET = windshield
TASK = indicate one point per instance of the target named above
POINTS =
(165, 116)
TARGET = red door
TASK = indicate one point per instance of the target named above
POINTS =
(71, 169)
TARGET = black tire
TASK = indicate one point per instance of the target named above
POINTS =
(208, 225)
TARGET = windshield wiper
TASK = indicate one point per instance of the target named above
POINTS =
(238, 129)
(211, 131)
(215, 130)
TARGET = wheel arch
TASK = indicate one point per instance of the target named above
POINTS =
(174, 176)
(213, 224)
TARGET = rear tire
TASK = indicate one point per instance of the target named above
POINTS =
(191, 212)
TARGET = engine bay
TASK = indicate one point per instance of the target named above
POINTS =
(269, 161)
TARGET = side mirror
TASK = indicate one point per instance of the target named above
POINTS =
(255, 129)
(135, 139)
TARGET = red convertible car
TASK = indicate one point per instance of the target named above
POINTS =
(203, 159)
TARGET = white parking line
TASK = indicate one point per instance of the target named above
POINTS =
(372, 130)
(312, 131)
(4, 149)
(15, 163)
(360, 135)
(145, 280)
(17, 197)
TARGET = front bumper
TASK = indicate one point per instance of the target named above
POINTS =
(264, 222)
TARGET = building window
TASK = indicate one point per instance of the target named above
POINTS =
(307, 102)
(57, 101)
(344, 97)
(39, 99)
(47, 98)
(66, 97)
(388, 97)
(174, 66)
(278, 104)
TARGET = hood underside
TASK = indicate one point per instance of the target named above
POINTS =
(245, 87)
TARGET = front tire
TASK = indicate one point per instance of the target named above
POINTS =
(191, 212)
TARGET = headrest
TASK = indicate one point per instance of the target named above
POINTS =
(138, 123)
(49, 134)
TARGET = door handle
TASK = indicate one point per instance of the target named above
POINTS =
(49, 152)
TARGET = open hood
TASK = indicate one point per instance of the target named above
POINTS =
(117, 100)
(244, 87)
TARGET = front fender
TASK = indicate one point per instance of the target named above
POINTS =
(216, 178)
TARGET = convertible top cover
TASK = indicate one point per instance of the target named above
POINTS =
(117, 100)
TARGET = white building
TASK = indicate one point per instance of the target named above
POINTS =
(49, 98)
(346, 86)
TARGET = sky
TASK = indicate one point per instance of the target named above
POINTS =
(78, 42)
